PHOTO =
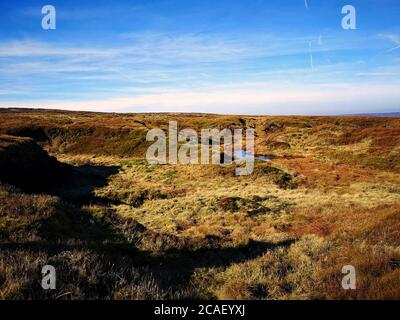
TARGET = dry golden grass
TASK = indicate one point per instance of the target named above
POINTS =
(330, 197)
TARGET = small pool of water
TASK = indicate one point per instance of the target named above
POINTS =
(241, 154)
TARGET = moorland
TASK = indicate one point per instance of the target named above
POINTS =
(76, 192)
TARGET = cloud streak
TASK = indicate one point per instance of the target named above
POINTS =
(185, 68)
(254, 98)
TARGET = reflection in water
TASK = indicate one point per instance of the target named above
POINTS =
(242, 154)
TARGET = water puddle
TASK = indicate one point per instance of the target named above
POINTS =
(242, 154)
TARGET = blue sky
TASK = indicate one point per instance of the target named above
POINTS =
(237, 56)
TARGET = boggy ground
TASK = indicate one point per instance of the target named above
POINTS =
(116, 227)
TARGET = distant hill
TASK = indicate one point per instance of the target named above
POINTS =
(388, 114)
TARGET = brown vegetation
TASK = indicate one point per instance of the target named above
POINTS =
(77, 193)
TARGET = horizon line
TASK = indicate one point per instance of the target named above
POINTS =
(363, 114)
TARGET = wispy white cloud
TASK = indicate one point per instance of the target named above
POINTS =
(149, 57)
(30, 48)
(251, 98)
(174, 48)
(11, 92)
(393, 38)
(184, 72)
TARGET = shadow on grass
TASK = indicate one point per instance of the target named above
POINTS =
(174, 268)
(28, 167)
(170, 270)
(77, 184)
(108, 240)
